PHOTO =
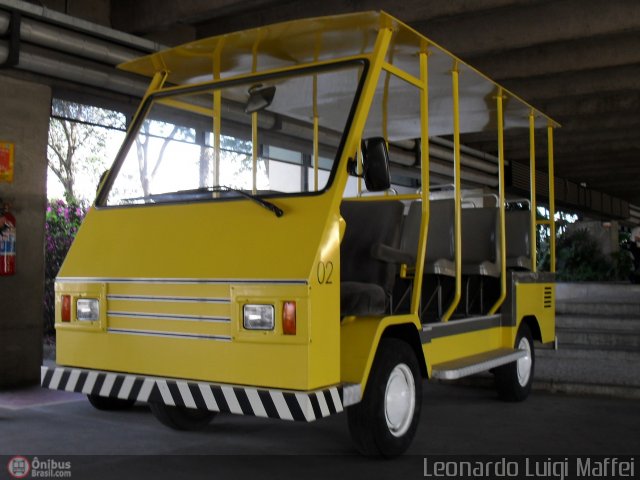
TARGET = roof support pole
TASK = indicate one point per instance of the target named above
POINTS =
(533, 235)
(254, 123)
(457, 241)
(552, 201)
(503, 237)
(316, 125)
(416, 294)
(217, 115)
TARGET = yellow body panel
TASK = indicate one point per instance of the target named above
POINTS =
(538, 300)
(177, 246)
(444, 349)
(246, 363)
(359, 337)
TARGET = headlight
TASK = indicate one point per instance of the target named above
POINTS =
(258, 317)
(88, 309)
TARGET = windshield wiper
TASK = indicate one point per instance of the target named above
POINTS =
(277, 211)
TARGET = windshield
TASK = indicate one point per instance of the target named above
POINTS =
(172, 155)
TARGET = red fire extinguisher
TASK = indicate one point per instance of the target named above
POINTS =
(7, 242)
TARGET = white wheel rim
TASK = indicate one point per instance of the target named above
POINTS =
(400, 400)
(524, 363)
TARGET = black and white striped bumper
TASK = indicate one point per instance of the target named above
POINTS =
(260, 402)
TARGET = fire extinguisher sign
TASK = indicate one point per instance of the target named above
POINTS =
(7, 243)
(6, 162)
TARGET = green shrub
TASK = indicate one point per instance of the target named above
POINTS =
(580, 259)
(62, 223)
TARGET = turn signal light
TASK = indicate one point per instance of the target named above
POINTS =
(66, 308)
(289, 318)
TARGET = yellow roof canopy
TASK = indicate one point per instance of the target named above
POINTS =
(304, 42)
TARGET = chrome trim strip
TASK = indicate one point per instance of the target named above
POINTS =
(161, 298)
(188, 281)
(154, 333)
(168, 316)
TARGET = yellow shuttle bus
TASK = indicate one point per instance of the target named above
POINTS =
(293, 228)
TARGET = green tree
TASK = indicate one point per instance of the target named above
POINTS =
(77, 140)
(153, 129)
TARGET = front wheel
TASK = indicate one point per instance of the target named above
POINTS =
(181, 418)
(385, 421)
(514, 380)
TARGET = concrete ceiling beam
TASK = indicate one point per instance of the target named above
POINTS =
(561, 57)
(592, 82)
(144, 16)
(411, 11)
(621, 103)
(586, 123)
(534, 24)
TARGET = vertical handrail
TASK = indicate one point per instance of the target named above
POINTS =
(254, 153)
(254, 121)
(316, 125)
(217, 115)
(503, 237)
(458, 203)
(424, 165)
(359, 168)
(552, 201)
(532, 179)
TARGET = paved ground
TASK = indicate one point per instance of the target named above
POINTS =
(456, 420)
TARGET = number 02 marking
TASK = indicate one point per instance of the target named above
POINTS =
(325, 273)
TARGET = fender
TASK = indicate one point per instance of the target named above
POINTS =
(359, 339)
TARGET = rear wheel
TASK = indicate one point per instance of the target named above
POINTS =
(181, 418)
(107, 403)
(385, 421)
(515, 379)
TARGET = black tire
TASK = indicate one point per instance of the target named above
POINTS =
(107, 403)
(513, 384)
(181, 418)
(372, 431)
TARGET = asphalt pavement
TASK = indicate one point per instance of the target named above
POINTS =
(457, 421)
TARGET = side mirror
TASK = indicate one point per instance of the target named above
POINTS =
(260, 97)
(375, 164)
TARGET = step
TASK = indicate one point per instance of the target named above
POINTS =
(464, 367)
(587, 322)
(601, 308)
(570, 388)
(593, 354)
(588, 292)
(592, 368)
(604, 339)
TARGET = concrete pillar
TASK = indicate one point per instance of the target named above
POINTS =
(24, 120)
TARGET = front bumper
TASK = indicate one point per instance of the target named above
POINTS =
(304, 406)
